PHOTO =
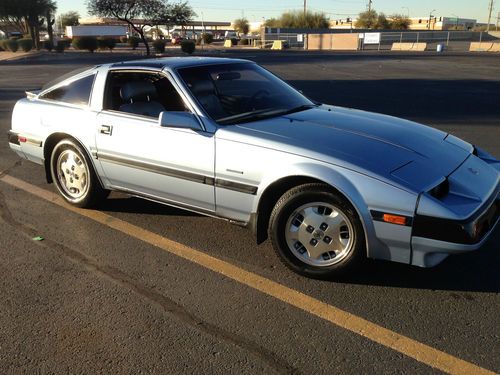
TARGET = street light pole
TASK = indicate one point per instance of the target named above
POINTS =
(430, 18)
(305, 7)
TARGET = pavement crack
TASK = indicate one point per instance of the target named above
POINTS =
(166, 304)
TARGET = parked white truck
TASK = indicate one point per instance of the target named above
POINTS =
(96, 30)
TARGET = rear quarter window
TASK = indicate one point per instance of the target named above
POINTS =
(77, 92)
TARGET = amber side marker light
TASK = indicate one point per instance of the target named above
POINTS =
(394, 219)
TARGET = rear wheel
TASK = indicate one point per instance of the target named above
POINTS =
(316, 232)
(74, 176)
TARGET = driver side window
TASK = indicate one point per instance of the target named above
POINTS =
(141, 93)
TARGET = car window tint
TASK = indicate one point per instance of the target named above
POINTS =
(141, 93)
(77, 92)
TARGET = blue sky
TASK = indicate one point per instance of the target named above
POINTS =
(255, 10)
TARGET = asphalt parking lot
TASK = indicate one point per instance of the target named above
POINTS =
(103, 293)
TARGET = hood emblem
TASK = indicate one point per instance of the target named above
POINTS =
(473, 171)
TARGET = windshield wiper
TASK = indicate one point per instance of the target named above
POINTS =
(264, 113)
(250, 116)
(300, 108)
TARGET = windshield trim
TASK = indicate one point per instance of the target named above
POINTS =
(262, 114)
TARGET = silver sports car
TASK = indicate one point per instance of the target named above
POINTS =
(329, 186)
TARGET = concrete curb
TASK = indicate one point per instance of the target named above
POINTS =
(13, 56)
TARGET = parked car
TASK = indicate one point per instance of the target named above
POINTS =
(177, 39)
(329, 186)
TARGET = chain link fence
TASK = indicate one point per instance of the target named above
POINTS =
(451, 40)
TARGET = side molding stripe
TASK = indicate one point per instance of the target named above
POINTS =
(202, 179)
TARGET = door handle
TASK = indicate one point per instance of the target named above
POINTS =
(106, 129)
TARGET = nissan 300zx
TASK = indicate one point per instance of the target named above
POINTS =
(329, 186)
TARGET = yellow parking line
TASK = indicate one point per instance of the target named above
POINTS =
(405, 345)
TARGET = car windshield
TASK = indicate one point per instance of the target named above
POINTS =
(242, 92)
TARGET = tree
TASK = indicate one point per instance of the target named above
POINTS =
(178, 14)
(141, 13)
(27, 16)
(367, 20)
(69, 19)
(373, 20)
(50, 20)
(299, 20)
(241, 25)
(272, 22)
(399, 22)
(382, 22)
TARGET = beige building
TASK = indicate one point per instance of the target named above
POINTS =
(346, 23)
(441, 23)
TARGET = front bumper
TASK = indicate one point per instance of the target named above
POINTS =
(434, 238)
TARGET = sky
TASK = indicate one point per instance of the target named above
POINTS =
(256, 10)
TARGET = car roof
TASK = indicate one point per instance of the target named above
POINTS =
(175, 62)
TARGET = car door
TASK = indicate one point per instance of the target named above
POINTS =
(172, 164)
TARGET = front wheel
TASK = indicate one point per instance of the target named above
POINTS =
(74, 176)
(316, 232)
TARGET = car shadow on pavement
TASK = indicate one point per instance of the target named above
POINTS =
(476, 271)
(126, 204)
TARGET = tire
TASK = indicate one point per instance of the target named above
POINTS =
(316, 232)
(74, 175)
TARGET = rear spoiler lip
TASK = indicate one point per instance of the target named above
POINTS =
(32, 94)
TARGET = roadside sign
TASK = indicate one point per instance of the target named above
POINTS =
(372, 38)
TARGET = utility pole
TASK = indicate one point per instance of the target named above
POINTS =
(305, 7)
(489, 16)
(369, 6)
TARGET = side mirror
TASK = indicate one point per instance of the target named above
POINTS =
(183, 120)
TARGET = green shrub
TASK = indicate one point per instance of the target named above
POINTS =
(133, 42)
(11, 45)
(159, 45)
(106, 43)
(25, 44)
(48, 45)
(207, 38)
(88, 43)
(244, 42)
(188, 46)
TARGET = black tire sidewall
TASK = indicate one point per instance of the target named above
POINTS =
(293, 200)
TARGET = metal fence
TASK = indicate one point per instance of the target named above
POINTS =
(452, 40)
(293, 40)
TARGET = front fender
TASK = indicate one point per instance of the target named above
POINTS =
(365, 193)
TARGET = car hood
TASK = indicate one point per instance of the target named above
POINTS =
(404, 152)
